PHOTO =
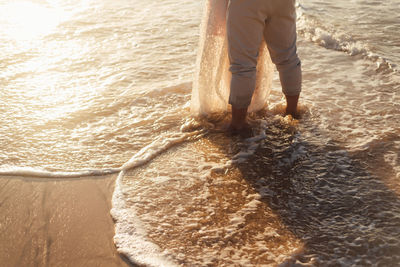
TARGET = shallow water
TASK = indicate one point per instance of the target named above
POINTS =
(105, 87)
(83, 87)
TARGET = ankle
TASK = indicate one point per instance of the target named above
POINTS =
(239, 117)
(291, 105)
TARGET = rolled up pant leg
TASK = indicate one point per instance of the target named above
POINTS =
(280, 36)
(245, 27)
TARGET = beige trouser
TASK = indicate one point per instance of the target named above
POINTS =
(248, 21)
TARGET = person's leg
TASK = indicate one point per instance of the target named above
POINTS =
(280, 36)
(245, 26)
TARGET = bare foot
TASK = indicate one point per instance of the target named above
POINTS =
(291, 105)
(245, 131)
(239, 124)
(238, 118)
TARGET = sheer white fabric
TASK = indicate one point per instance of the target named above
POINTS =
(210, 92)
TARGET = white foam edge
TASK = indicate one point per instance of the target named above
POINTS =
(144, 155)
(130, 234)
(155, 148)
(338, 41)
(39, 173)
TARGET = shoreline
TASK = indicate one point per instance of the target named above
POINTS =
(57, 222)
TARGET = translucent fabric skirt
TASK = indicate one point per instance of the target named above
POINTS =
(210, 92)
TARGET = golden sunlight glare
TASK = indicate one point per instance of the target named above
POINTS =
(25, 20)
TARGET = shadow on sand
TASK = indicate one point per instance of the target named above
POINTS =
(342, 213)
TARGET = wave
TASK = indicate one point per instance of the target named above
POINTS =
(39, 173)
(187, 131)
(313, 29)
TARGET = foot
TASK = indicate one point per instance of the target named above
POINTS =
(291, 105)
(238, 118)
(245, 132)
(239, 124)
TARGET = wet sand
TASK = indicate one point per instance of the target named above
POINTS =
(57, 222)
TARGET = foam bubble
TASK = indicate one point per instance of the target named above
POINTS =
(313, 29)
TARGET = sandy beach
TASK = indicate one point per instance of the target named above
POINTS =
(57, 222)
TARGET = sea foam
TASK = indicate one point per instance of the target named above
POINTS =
(312, 28)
